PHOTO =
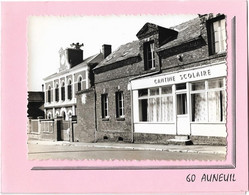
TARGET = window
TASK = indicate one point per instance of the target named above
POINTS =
(79, 83)
(69, 90)
(49, 116)
(156, 104)
(49, 94)
(182, 104)
(104, 105)
(199, 102)
(149, 55)
(208, 101)
(217, 36)
(82, 81)
(216, 100)
(63, 91)
(119, 104)
(56, 93)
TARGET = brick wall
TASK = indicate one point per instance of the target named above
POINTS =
(114, 128)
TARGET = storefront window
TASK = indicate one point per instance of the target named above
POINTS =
(167, 90)
(199, 107)
(156, 105)
(218, 83)
(208, 101)
(198, 86)
(167, 108)
(216, 106)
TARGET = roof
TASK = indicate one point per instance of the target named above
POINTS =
(88, 61)
(187, 31)
(124, 52)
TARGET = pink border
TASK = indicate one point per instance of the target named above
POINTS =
(17, 176)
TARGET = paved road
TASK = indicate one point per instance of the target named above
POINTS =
(42, 152)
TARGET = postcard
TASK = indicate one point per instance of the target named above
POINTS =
(124, 97)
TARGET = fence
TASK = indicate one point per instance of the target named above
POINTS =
(42, 129)
(34, 126)
(50, 129)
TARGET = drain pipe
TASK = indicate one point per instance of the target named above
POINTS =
(95, 116)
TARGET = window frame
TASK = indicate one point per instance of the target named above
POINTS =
(57, 98)
(104, 106)
(160, 95)
(69, 90)
(79, 83)
(63, 94)
(147, 59)
(119, 96)
(211, 35)
(49, 100)
(206, 91)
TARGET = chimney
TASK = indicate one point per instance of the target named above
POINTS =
(107, 50)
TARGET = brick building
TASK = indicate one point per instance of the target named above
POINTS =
(169, 85)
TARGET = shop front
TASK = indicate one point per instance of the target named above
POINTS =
(184, 103)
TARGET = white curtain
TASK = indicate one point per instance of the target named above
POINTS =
(167, 109)
(154, 109)
(214, 106)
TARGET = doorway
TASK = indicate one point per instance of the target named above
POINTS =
(182, 112)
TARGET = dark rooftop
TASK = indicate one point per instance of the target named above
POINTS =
(124, 52)
(186, 31)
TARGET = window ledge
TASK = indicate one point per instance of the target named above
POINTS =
(105, 119)
(120, 119)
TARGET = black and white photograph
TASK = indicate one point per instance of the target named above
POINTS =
(127, 87)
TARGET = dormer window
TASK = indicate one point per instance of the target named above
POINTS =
(149, 55)
(217, 35)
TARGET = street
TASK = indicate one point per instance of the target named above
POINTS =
(80, 152)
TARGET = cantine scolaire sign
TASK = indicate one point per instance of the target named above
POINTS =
(207, 72)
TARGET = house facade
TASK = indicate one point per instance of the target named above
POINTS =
(168, 86)
(75, 74)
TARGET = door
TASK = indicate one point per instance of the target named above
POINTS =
(182, 112)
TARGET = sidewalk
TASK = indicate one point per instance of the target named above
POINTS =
(204, 149)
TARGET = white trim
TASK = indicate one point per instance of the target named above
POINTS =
(205, 72)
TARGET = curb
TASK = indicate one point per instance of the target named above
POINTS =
(94, 145)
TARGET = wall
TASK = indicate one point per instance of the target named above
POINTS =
(84, 129)
(113, 129)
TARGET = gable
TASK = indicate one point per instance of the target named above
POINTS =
(164, 34)
(147, 30)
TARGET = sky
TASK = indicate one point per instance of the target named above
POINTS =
(47, 34)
